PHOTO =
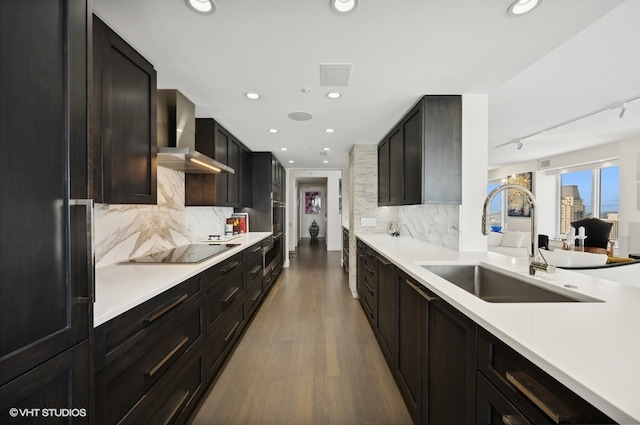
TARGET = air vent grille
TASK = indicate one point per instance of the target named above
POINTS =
(335, 74)
(545, 163)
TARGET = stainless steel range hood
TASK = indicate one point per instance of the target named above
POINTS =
(177, 137)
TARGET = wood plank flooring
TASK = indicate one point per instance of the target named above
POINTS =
(308, 357)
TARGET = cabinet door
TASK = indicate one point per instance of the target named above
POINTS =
(60, 383)
(396, 167)
(125, 121)
(387, 297)
(246, 176)
(383, 173)
(412, 157)
(451, 393)
(40, 316)
(494, 408)
(233, 180)
(221, 144)
(443, 150)
(412, 334)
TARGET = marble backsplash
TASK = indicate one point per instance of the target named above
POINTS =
(127, 231)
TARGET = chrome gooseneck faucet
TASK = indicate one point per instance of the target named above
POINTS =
(533, 264)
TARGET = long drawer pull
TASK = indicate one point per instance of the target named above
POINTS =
(230, 267)
(368, 307)
(368, 269)
(420, 291)
(226, 300)
(546, 401)
(367, 285)
(166, 358)
(256, 249)
(230, 334)
(514, 420)
(164, 310)
(177, 408)
(255, 270)
(257, 296)
(384, 261)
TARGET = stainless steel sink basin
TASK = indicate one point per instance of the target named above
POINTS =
(495, 287)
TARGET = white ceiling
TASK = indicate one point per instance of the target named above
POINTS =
(565, 60)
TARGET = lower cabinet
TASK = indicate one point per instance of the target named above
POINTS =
(449, 370)
(154, 362)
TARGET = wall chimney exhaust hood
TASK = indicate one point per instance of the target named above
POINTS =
(177, 137)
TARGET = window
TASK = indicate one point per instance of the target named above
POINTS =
(495, 216)
(590, 193)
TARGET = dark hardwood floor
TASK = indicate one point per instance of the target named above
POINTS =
(308, 357)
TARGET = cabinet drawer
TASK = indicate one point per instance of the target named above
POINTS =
(254, 251)
(253, 268)
(253, 294)
(370, 305)
(370, 262)
(174, 397)
(126, 381)
(218, 273)
(494, 408)
(222, 297)
(126, 331)
(223, 337)
(540, 397)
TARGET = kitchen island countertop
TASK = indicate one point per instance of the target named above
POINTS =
(593, 348)
(121, 287)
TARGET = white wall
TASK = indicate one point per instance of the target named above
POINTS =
(474, 171)
(629, 218)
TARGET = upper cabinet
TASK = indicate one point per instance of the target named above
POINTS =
(223, 190)
(420, 159)
(122, 136)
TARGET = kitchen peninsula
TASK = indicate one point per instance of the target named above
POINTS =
(589, 347)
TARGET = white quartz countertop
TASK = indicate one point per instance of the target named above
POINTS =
(120, 287)
(591, 347)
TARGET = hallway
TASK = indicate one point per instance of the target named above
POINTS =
(308, 357)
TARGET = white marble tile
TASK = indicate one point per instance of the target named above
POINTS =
(127, 231)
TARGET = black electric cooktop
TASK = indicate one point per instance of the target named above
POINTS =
(185, 254)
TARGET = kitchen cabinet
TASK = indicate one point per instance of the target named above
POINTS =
(345, 250)
(367, 282)
(253, 272)
(123, 131)
(138, 353)
(387, 300)
(45, 263)
(420, 159)
(224, 189)
(515, 389)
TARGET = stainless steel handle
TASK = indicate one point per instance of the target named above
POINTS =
(277, 236)
(420, 291)
(257, 295)
(256, 249)
(551, 405)
(384, 261)
(177, 408)
(235, 290)
(368, 269)
(91, 256)
(230, 334)
(230, 267)
(255, 270)
(367, 285)
(164, 310)
(166, 358)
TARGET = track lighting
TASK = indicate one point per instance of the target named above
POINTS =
(519, 145)
(623, 111)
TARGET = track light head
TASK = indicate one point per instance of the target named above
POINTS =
(519, 145)
(623, 111)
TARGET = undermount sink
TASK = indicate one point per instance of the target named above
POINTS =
(495, 287)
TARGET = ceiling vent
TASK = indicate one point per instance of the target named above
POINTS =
(544, 163)
(335, 74)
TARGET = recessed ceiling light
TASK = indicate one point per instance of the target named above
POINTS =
(334, 95)
(329, 130)
(520, 7)
(325, 162)
(283, 149)
(204, 7)
(273, 130)
(252, 96)
(290, 161)
(342, 7)
(326, 149)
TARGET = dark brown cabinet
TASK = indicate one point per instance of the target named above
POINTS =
(387, 301)
(122, 132)
(45, 285)
(345, 250)
(225, 189)
(511, 386)
(420, 159)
